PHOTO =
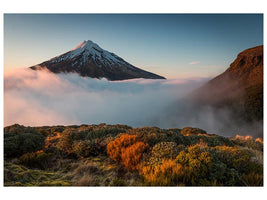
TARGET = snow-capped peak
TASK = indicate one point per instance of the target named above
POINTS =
(86, 44)
(88, 59)
(88, 51)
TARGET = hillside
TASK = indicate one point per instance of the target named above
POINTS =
(239, 88)
(89, 60)
(118, 155)
(229, 104)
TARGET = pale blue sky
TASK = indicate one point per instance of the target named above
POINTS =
(161, 43)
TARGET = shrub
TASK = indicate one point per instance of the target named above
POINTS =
(162, 150)
(132, 155)
(38, 159)
(16, 144)
(127, 149)
(18, 129)
(82, 148)
(91, 147)
(67, 139)
(152, 135)
(247, 141)
(197, 163)
(168, 173)
(59, 129)
(233, 157)
(186, 131)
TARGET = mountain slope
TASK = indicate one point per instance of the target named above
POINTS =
(239, 88)
(88, 59)
(229, 104)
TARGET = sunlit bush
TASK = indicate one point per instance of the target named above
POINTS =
(127, 149)
(132, 155)
(186, 131)
(247, 141)
(168, 173)
(68, 138)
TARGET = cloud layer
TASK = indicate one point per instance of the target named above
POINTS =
(36, 98)
(42, 98)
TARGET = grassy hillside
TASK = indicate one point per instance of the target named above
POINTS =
(118, 155)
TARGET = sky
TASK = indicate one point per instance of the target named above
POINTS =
(171, 45)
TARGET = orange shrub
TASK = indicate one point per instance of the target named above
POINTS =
(131, 156)
(259, 140)
(127, 149)
(248, 137)
(167, 173)
(50, 139)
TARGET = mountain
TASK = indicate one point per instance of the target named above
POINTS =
(229, 104)
(88, 59)
(239, 88)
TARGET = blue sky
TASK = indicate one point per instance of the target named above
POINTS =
(172, 45)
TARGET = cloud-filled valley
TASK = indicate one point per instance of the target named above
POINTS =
(37, 98)
(44, 98)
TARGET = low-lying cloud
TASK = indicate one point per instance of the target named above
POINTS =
(42, 98)
(36, 98)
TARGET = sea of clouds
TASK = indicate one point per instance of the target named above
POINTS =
(37, 98)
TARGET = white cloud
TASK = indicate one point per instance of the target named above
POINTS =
(35, 98)
(43, 98)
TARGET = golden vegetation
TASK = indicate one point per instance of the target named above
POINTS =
(118, 155)
(127, 149)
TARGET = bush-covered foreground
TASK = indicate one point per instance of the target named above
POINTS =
(118, 155)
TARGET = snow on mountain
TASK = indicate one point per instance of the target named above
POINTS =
(88, 59)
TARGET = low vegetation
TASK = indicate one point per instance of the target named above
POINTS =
(118, 155)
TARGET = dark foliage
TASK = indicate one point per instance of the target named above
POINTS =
(19, 140)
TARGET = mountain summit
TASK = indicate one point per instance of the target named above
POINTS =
(88, 59)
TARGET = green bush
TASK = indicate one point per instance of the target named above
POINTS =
(18, 143)
(40, 160)
(154, 135)
(232, 157)
(210, 140)
(162, 150)
(67, 139)
(90, 147)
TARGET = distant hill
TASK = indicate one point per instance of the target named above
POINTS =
(88, 59)
(239, 88)
(229, 104)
